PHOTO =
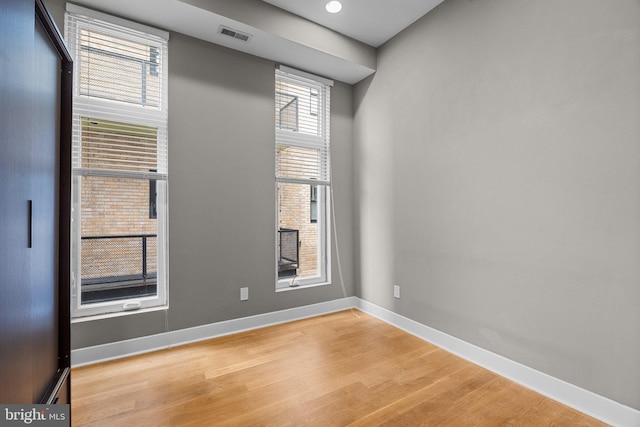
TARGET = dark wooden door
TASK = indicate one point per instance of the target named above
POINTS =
(33, 211)
(45, 221)
(16, 48)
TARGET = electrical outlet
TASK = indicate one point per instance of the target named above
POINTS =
(244, 294)
(396, 291)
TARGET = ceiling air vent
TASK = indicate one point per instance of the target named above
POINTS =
(226, 31)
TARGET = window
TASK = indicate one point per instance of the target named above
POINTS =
(302, 179)
(119, 165)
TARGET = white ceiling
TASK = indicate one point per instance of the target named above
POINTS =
(370, 21)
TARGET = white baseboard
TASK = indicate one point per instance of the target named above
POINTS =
(589, 403)
(597, 406)
(119, 349)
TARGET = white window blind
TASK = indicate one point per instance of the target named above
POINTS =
(302, 129)
(120, 92)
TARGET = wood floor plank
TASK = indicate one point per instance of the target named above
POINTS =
(344, 368)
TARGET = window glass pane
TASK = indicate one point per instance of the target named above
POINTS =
(117, 69)
(118, 239)
(294, 211)
(297, 108)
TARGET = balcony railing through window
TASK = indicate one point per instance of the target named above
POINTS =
(289, 252)
(118, 267)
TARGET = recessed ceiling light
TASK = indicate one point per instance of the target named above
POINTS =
(333, 6)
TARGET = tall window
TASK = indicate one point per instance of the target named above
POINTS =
(303, 178)
(119, 228)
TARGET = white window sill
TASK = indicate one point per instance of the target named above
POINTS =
(286, 288)
(117, 314)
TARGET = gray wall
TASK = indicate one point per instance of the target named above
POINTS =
(498, 159)
(222, 193)
(496, 180)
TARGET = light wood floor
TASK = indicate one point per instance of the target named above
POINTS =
(341, 369)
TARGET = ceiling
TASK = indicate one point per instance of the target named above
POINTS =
(278, 28)
(370, 21)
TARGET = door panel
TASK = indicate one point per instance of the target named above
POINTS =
(44, 190)
(16, 39)
(30, 183)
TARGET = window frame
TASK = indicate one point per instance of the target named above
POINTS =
(77, 19)
(284, 137)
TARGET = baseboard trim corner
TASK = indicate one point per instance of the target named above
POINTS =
(594, 405)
